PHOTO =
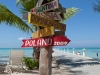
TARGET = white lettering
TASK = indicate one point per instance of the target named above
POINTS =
(39, 42)
(55, 43)
(33, 43)
(47, 41)
(44, 42)
(30, 43)
(60, 43)
(27, 43)
(50, 41)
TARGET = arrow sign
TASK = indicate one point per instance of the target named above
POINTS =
(59, 33)
(46, 7)
(51, 15)
(45, 22)
(47, 31)
(47, 41)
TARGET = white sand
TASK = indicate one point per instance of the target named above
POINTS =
(71, 64)
(78, 64)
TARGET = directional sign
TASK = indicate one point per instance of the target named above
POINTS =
(47, 41)
(62, 10)
(48, 31)
(51, 15)
(45, 22)
(46, 7)
(25, 16)
(59, 33)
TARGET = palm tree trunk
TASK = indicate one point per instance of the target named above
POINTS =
(36, 50)
(45, 61)
(36, 53)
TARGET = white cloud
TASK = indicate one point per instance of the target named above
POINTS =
(21, 38)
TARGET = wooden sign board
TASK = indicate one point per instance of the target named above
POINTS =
(47, 41)
(45, 22)
(51, 15)
(48, 31)
(63, 10)
(59, 33)
(25, 16)
(46, 7)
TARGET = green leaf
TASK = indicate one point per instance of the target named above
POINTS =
(7, 17)
(70, 12)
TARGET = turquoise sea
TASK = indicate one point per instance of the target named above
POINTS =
(90, 52)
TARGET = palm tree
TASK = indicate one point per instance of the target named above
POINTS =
(7, 17)
(96, 7)
(25, 7)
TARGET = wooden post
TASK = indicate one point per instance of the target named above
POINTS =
(45, 57)
(84, 52)
(45, 61)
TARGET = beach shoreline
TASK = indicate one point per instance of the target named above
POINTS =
(78, 64)
(69, 63)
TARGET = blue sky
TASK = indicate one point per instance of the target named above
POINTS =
(82, 29)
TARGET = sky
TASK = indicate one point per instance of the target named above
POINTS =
(82, 29)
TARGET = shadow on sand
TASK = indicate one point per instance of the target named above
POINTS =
(76, 63)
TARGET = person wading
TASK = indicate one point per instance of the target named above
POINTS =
(97, 54)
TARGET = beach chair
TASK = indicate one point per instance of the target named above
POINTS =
(15, 61)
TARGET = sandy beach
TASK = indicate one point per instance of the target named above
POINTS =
(66, 64)
(78, 64)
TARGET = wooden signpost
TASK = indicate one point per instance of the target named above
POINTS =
(42, 17)
(46, 41)
(45, 22)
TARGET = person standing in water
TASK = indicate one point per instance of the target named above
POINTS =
(97, 54)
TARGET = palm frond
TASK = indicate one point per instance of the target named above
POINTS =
(6, 16)
(70, 12)
(26, 6)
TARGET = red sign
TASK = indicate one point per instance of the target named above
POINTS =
(60, 41)
(46, 41)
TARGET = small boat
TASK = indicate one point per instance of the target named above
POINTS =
(78, 53)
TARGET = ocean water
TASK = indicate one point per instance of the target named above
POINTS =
(90, 52)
